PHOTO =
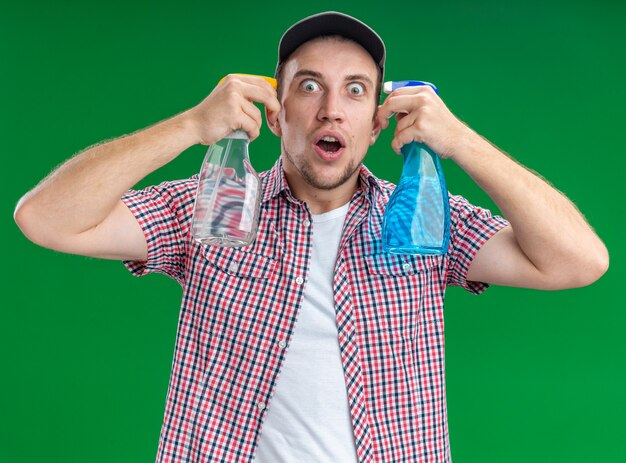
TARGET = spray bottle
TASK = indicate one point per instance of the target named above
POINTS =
(417, 219)
(228, 198)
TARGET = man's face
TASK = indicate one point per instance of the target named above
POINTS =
(327, 119)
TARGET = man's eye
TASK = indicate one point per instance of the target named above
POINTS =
(356, 89)
(310, 86)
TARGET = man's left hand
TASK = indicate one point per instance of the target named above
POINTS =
(423, 117)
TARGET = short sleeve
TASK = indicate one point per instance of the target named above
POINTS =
(164, 213)
(470, 228)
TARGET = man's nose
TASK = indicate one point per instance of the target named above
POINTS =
(331, 108)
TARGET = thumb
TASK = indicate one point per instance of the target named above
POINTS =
(382, 117)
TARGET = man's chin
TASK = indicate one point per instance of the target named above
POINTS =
(321, 177)
(327, 181)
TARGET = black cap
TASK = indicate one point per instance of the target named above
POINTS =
(332, 23)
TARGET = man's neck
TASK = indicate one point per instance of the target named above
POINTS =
(321, 200)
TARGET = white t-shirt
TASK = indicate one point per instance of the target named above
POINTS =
(308, 419)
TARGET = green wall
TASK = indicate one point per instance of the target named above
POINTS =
(86, 348)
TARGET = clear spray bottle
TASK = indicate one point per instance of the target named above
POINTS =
(228, 198)
(417, 218)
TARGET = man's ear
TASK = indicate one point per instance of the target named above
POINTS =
(272, 122)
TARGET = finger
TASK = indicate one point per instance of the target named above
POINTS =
(414, 90)
(252, 112)
(384, 112)
(250, 78)
(253, 88)
(404, 137)
(384, 115)
(405, 121)
(400, 116)
(250, 126)
(404, 103)
(381, 119)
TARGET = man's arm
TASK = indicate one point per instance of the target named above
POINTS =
(549, 244)
(77, 209)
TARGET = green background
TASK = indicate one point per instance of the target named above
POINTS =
(86, 348)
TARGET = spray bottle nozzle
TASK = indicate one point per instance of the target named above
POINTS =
(270, 80)
(390, 86)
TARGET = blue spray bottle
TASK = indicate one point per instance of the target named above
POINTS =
(417, 219)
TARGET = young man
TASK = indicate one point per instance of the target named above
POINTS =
(312, 344)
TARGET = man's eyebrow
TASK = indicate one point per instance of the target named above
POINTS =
(307, 73)
(361, 77)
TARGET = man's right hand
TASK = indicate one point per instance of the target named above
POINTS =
(230, 106)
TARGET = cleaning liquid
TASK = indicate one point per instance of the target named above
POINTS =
(417, 218)
(228, 197)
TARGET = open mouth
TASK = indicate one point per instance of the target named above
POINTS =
(329, 144)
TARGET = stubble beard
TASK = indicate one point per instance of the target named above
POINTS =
(309, 176)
